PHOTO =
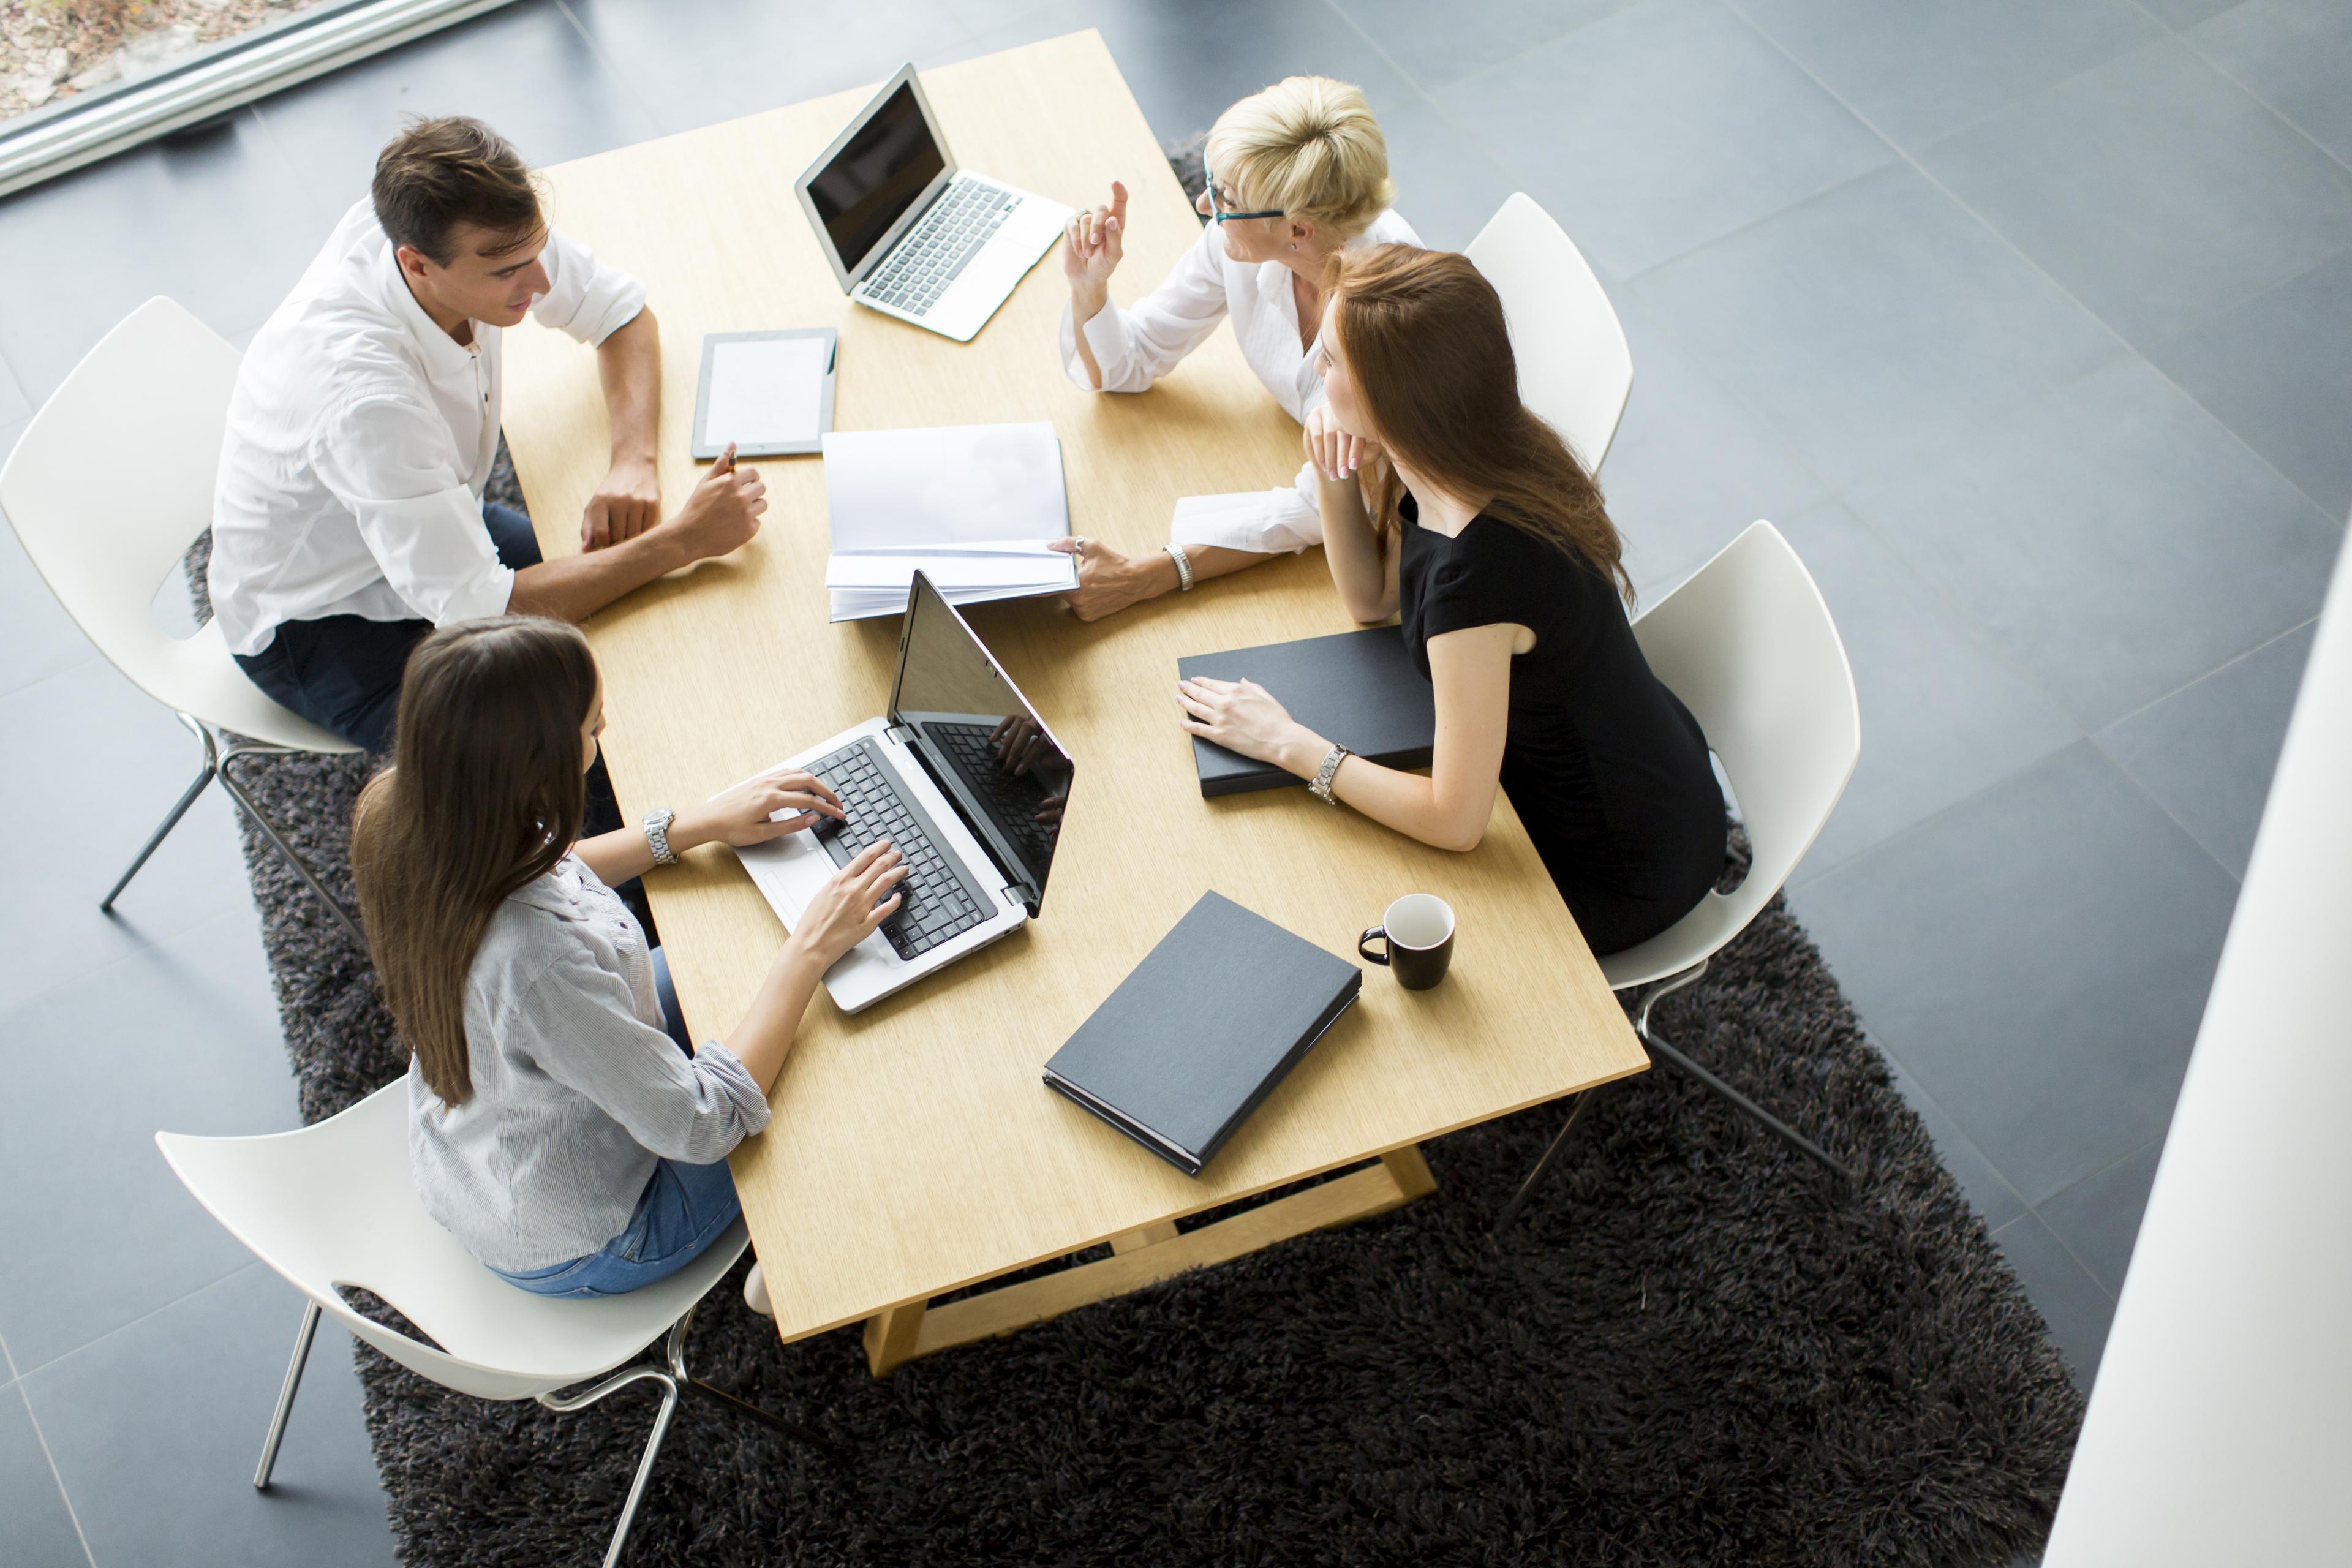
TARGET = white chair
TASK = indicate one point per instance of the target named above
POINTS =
(1574, 367)
(334, 1205)
(155, 388)
(1749, 646)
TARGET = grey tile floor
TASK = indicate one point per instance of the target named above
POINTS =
(2028, 320)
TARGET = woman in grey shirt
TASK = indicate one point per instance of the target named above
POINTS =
(556, 1128)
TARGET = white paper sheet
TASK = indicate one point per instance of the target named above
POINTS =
(947, 487)
(765, 392)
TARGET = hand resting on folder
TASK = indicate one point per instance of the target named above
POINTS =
(1472, 519)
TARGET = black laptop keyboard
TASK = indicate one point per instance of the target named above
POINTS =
(1013, 800)
(942, 902)
(935, 252)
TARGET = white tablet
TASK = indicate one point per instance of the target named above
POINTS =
(770, 393)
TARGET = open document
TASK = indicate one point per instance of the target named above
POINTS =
(970, 506)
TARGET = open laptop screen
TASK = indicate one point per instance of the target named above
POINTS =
(881, 170)
(991, 751)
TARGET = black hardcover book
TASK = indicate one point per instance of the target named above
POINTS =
(1359, 688)
(1176, 1061)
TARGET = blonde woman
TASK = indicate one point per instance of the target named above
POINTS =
(1297, 174)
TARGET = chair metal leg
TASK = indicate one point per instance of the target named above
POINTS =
(172, 819)
(1543, 1166)
(344, 917)
(310, 1331)
(674, 1379)
(1787, 1133)
(1674, 1057)
(1748, 1107)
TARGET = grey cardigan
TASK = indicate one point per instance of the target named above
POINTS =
(577, 1092)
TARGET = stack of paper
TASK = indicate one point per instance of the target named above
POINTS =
(970, 506)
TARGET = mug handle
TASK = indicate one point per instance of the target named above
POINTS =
(1364, 945)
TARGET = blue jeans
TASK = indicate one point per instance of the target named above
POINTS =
(343, 672)
(684, 1209)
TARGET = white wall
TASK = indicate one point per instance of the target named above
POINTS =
(2221, 1427)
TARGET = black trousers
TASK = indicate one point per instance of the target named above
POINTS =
(343, 673)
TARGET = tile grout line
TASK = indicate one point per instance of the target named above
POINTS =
(2173, 817)
(1935, 817)
(1879, 1043)
(2233, 660)
(2130, 349)
(1912, 163)
(605, 62)
(1387, 59)
(146, 944)
(72, 1513)
(2126, 769)
(64, 1356)
(2275, 112)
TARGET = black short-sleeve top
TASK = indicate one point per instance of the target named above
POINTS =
(1605, 766)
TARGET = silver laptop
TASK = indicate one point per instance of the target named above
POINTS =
(962, 777)
(910, 234)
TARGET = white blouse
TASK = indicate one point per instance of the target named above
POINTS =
(1138, 345)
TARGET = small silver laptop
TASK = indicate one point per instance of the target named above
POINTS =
(964, 779)
(910, 234)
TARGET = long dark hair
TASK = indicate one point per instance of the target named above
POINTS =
(484, 795)
(1424, 339)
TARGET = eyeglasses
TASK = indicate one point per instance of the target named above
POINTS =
(1217, 208)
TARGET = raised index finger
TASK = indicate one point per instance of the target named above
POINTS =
(1118, 202)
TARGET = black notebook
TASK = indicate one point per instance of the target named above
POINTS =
(1214, 1018)
(1360, 689)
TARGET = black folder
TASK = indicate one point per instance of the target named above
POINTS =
(1360, 689)
(1214, 1018)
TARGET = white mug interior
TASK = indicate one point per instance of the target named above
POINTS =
(1418, 920)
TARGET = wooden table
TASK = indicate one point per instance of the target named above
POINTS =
(914, 1149)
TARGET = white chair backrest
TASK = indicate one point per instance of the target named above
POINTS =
(110, 485)
(1749, 646)
(335, 1204)
(1574, 367)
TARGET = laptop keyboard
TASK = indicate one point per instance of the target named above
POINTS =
(941, 902)
(935, 250)
(1013, 800)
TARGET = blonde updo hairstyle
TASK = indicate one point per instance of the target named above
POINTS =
(1308, 145)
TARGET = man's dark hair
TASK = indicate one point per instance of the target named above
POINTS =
(439, 173)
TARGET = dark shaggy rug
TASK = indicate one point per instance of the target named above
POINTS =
(1690, 1350)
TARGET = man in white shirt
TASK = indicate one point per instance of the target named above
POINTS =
(348, 519)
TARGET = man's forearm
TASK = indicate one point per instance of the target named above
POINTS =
(576, 587)
(629, 364)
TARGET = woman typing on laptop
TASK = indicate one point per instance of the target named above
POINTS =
(1470, 516)
(1297, 174)
(562, 1124)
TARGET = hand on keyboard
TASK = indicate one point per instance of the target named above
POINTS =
(850, 908)
(776, 803)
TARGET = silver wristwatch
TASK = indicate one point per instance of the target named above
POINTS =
(657, 835)
(1321, 787)
(1183, 567)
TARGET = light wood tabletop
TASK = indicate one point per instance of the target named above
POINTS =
(914, 1149)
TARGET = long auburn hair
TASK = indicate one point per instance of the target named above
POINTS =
(1425, 345)
(484, 795)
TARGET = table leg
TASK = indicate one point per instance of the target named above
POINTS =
(890, 1336)
(1144, 1235)
(1145, 1255)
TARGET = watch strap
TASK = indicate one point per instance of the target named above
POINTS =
(656, 825)
(1321, 786)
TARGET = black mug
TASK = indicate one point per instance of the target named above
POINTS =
(1417, 939)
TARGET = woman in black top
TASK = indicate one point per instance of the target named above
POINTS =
(1445, 499)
